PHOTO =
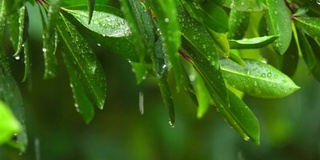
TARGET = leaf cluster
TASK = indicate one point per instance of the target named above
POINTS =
(202, 43)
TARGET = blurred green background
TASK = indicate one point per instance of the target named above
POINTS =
(290, 127)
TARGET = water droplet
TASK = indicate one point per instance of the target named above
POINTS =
(44, 50)
(99, 44)
(275, 12)
(141, 103)
(269, 74)
(318, 2)
(166, 20)
(246, 138)
(263, 75)
(17, 57)
(171, 124)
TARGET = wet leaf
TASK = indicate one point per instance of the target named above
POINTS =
(309, 25)
(210, 14)
(50, 40)
(309, 57)
(140, 23)
(27, 63)
(244, 121)
(236, 58)
(301, 11)
(279, 23)
(258, 79)
(238, 115)
(242, 5)
(159, 59)
(88, 70)
(9, 124)
(104, 23)
(82, 103)
(167, 98)
(199, 37)
(252, 43)
(166, 16)
(140, 71)
(238, 24)
(90, 9)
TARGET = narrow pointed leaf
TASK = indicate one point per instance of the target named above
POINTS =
(82, 103)
(215, 84)
(310, 25)
(140, 71)
(252, 43)
(166, 15)
(167, 98)
(238, 24)
(104, 21)
(140, 23)
(90, 10)
(88, 69)
(27, 63)
(301, 11)
(279, 23)
(236, 58)
(199, 37)
(159, 60)
(203, 96)
(210, 14)
(50, 40)
(248, 125)
(258, 79)
(309, 57)
(9, 124)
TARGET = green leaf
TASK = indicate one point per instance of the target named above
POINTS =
(210, 14)
(247, 123)
(199, 37)
(27, 63)
(88, 70)
(309, 57)
(140, 71)
(252, 43)
(90, 9)
(242, 5)
(9, 124)
(309, 25)
(11, 6)
(221, 43)
(279, 23)
(238, 24)
(166, 95)
(83, 2)
(103, 22)
(234, 111)
(166, 16)
(82, 103)
(159, 60)
(10, 94)
(140, 23)
(236, 58)
(50, 40)
(203, 96)
(301, 11)
(18, 23)
(257, 79)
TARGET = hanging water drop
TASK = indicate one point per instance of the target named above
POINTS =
(17, 57)
(141, 103)
(318, 2)
(246, 138)
(171, 124)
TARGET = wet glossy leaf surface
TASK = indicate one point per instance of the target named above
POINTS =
(167, 98)
(166, 16)
(238, 24)
(243, 5)
(79, 55)
(50, 40)
(221, 43)
(104, 23)
(210, 14)
(199, 37)
(91, 4)
(258, 79)
(279, 23)
(252, 43)
(310, 25)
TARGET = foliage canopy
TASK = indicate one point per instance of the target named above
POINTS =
(203, 44)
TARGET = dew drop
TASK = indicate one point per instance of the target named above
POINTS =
(263, 75)
(98, 44)
(166, 20)
(318, 2)
(246, 138)
(17, 57)
(269, 74)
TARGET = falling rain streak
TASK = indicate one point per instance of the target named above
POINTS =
(141, 103)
